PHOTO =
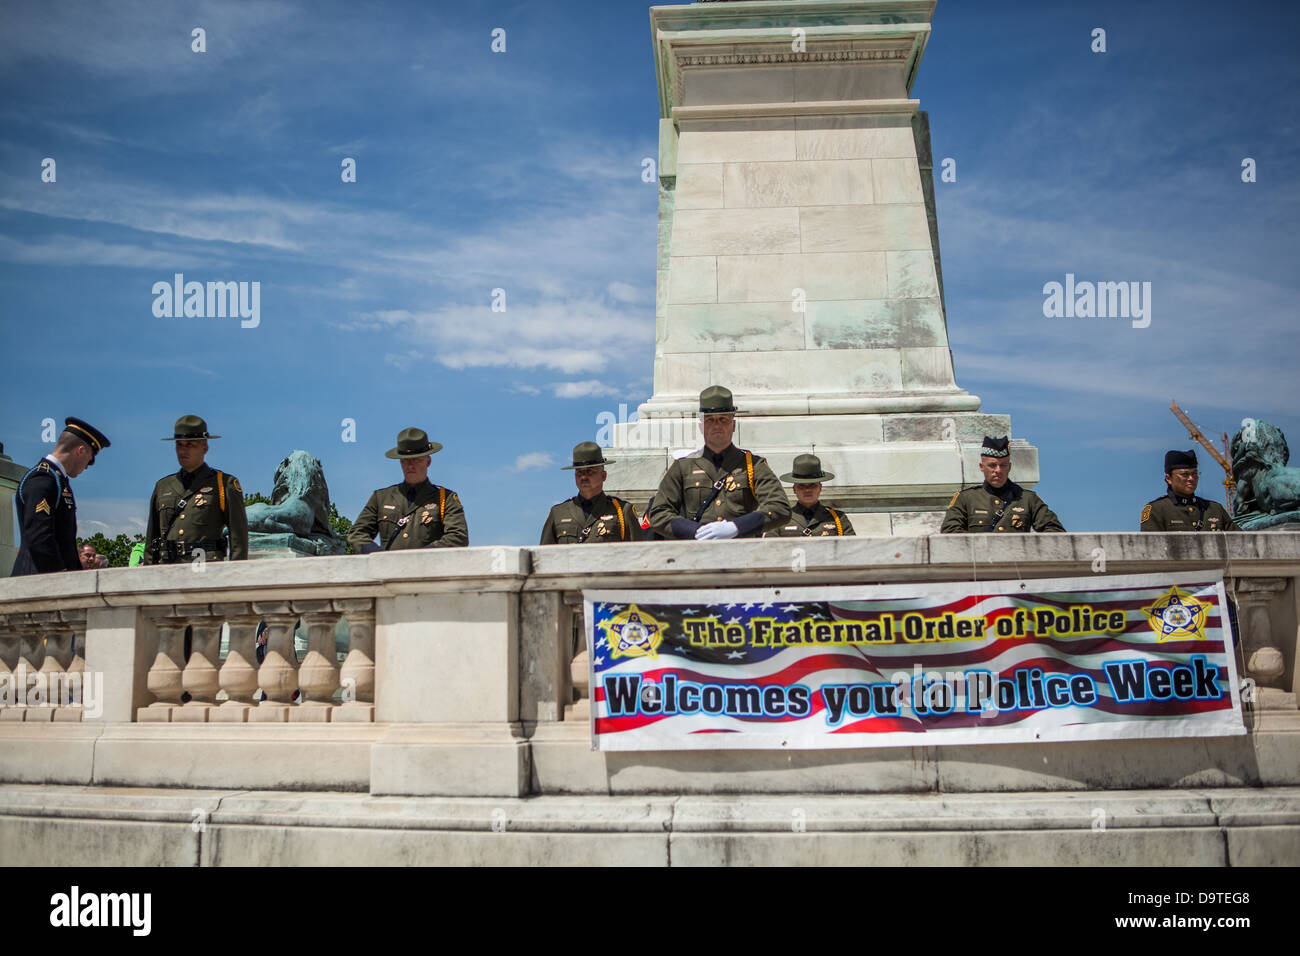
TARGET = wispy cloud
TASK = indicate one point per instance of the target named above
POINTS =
(586, 389)
(533, 461)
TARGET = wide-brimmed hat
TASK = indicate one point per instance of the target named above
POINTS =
(716, 400)
(190, 428)
(587, 454)
(413, 443)
(88, 433)
(807, 471)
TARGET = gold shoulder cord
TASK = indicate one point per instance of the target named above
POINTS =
(442, 505)
(622, 524)
(749, 470)
(839, 528)
(221, 491)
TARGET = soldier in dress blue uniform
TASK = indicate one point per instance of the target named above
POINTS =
(47, 511)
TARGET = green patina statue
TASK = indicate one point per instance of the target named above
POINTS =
(297, 520)
(1268, 491)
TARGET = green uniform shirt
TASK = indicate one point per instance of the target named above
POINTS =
(689, 481)
(200, 516)
(975, 509)
(568, 523)
(431, 518)
(1186, 513)
(820, 524)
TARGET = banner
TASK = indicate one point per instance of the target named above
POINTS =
(912, 665)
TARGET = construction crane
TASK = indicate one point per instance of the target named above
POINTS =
(1229, 485)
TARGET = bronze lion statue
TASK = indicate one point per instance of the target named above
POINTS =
(300, 504)
(1268, 491)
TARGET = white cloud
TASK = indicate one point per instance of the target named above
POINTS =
(403, 360)
(79, 251)
(624, 292)
(561, 336)
(585, 389)
(533, 461)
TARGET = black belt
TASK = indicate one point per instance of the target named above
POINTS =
(178, 552)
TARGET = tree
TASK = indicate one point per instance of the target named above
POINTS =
(340, 526)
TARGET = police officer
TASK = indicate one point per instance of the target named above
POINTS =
(590, 516)
(47, 511)
(190, 509)
(1179, 509)
(415, 513)
(722, 491)
(809, 517)
(999, 504)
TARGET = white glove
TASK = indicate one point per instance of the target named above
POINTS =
(716, 530)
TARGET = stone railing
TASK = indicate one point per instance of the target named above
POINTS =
(463, 676)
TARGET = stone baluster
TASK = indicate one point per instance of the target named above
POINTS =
(31, 654)
(318, 674)
(238, 675)
(50, 688)
(1264, 660)
(77, 675)
(358, 672)
(199, 677)
(165, 673)
(278, 675)
(64, 678)
(8, 661)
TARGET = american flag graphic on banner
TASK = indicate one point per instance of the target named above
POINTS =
(909, 665)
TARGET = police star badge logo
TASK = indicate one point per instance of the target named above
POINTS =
(1177, 615)
(633, 633)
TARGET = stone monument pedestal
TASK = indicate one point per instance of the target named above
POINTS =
(799, 258)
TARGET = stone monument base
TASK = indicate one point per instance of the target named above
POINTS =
(262, 545)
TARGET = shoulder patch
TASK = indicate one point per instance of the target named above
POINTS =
(955, 496)
(234, 483)
(1146, 513)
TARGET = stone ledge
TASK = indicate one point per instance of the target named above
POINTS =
(91, 825)
(863, 559)
(1239, 807)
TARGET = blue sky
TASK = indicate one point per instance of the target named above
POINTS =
(522, 171)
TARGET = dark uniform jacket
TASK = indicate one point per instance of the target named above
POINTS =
(818, 523)
(1173, 512)
(190, 511)
(977, 509)
(689, 481)
(47, 518)
(426, 516)
(601, 522)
